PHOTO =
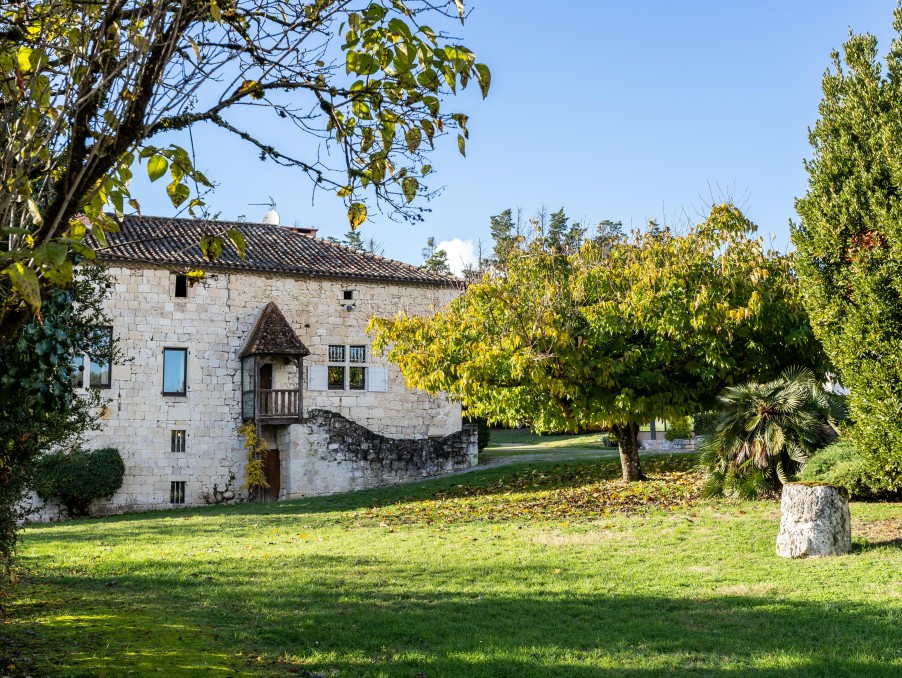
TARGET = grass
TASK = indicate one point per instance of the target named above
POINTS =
(512, 442)
(528, 570)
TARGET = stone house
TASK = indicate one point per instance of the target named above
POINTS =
(277, 338)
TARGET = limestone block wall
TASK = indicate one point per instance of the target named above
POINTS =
(213, 323)
(330, 453)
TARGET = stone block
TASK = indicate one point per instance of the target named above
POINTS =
(814, 521)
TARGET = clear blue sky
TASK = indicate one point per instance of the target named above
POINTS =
(613, 110)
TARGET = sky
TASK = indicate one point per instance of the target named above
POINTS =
(613, 110)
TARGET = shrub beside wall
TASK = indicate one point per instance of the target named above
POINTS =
(76, 478)
(841, 464)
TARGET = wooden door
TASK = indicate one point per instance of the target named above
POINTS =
(273, 470)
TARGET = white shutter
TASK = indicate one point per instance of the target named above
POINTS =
(317, 378)
(378, 379)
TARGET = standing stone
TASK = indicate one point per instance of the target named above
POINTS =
(814, 521)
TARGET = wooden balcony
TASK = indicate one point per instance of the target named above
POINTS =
(278, 406)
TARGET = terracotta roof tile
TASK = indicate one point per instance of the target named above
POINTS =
(272, 335)
(269, 249)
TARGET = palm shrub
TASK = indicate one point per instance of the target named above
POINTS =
(764, 433)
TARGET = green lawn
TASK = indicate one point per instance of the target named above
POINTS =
(531, 570)
(511, 442)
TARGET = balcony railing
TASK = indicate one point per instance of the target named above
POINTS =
(277, 403)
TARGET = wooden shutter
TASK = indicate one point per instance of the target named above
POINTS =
(317, 378)
(377, 378)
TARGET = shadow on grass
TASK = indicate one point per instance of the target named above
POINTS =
(370, 616)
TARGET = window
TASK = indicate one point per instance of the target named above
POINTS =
(179, 438)
(181, 285)
(342, 376)
(175, 368)
(177, 492)
(336, 378)
(100, 372)
(357, 378)
(348, 295)
(77, 369)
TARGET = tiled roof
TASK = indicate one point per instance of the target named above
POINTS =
(269, 249)
(272, 335)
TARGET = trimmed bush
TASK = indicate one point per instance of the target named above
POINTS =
(841, 464)
(78, 477)
(679, 429)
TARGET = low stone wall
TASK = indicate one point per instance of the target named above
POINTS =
(330, 453)
(664, 445)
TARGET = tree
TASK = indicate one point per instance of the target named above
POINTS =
(505, 234)
(849, 258)
(354, 239)
(87, 89)
(765, 432)
(40, 407)
(651, 326)
(435, 260)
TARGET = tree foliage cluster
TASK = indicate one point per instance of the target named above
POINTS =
(849, 242)
(88, 89)
(623, 330)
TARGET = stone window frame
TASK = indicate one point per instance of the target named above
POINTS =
(178, 441)
(178, 492)
(177, 394)
(180, 280)
(347, 363)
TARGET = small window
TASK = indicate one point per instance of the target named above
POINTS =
(178, 441)
(357, 379)
(175, 367)
(358, 354)
(100, 372)
(336, 354)
(77, 370)
(181, 285)
(177, 492)
(336, 378)
(349, 295)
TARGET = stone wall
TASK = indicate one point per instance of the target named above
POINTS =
(213, 323)
(330, 453)
(663, 445)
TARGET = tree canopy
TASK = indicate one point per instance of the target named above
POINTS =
(618, 333)
(849, 242)
(87, 89)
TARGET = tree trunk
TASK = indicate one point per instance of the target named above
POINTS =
(627, 436)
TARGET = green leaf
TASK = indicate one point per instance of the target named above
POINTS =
(178, 193)
(344, 191)
(356, 214)
(462, 145)
(25, 282)
(461, 10)
(484, 78)
(215, 12)
(414, 138)
(61, 276)
(237, 238)
(212, 246)
(409, 186)
(156, 167)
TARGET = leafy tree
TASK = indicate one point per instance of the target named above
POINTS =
(40, 407)
(505, 234)
(435, 260)
(354, 239)
(652, 327)
(848, 242)
(87, 88)
(765, 432)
